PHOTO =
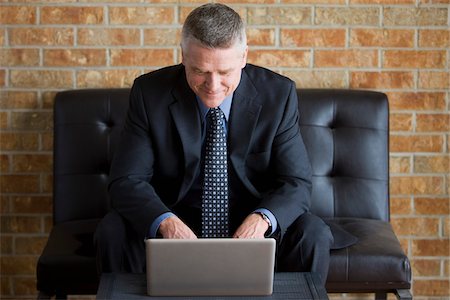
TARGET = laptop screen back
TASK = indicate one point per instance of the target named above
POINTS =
(210, 267)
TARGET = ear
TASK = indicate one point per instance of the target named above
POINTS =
(244, 57)
(182, 56)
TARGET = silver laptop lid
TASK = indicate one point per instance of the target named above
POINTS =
(210, 267)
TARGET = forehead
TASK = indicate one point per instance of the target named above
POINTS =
(209, 59)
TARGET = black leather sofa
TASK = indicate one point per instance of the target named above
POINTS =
(346, 133)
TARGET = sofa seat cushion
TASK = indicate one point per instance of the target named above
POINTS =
(68, 258)
(377, 257)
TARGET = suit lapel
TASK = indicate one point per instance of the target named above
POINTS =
(187, 121)
(244, 115)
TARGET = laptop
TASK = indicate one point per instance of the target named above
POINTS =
(210, 267)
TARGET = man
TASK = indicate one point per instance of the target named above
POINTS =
(157, 179)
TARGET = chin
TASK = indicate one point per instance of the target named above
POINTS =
(212, 101)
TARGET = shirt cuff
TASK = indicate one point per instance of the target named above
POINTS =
(155, 225)
(271, 217)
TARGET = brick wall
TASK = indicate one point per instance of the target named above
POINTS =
(396, 46)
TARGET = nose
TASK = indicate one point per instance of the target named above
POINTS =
(213, 81)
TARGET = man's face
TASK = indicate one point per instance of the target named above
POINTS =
(213, 74)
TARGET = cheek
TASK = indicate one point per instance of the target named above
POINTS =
(196, 80)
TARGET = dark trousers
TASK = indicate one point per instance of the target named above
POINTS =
(305, 246)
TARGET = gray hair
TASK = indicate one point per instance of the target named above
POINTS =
(214, 25)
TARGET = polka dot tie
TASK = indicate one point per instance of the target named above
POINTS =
(215, 183)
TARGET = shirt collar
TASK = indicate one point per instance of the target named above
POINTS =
(225, 107)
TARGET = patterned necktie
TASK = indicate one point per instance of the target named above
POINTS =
(215, 183)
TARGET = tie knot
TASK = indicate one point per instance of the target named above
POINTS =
(215, 115)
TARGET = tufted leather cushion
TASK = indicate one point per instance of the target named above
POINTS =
(87, 126)
(346, 135)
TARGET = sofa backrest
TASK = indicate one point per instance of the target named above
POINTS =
(345, 132)
(87, 126)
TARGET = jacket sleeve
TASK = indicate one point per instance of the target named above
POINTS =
(290, 196)
(130, 189)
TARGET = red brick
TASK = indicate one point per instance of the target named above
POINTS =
(431, 206)
(162, 37)
(432, 164)
(41, 36)
(48, 99)
(2, 77)
(413, 16)
(6, 244)
(314, 1)
(417, 101)
(19, 57)
(401, 122)
(4, 117)
(346, 58)
(347, 16)
(108, 36)
(416, 143)
(425, 59)
(318, 79)
(19, 141)
(74, 57)
(430, 247)
(17, 14)
(31, 205)
(4, 163)
(141, 15)
(382, 80)
(38, 120)
(19, 183)
(30, 245)
(4, 204)
(280, 58)
(400, 206)
(47, 141)
(382, 38)
(260, 37)
(26, 287)
(433, 122)
(19, 100)
(41, 79)
(400, 164)
(106, 78)
(2, 37)
(416, 185)
(431, 287)
(71, 15)
(142, 57)
(434, 80)
(32, 163)
(20, 224)
(18, 265)
(47, 183)
(276, 15)
(424, 227)
(313, 37)
(248, 1)
(426, 267)
(385, 2)
(438, 38)
(5, 285)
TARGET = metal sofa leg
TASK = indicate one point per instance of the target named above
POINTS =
(403, 294)
(43, 296)
(380, 296)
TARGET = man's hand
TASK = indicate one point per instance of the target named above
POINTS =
(253, 227)
(174, 228)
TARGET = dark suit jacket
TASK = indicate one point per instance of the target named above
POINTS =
(159, 155)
